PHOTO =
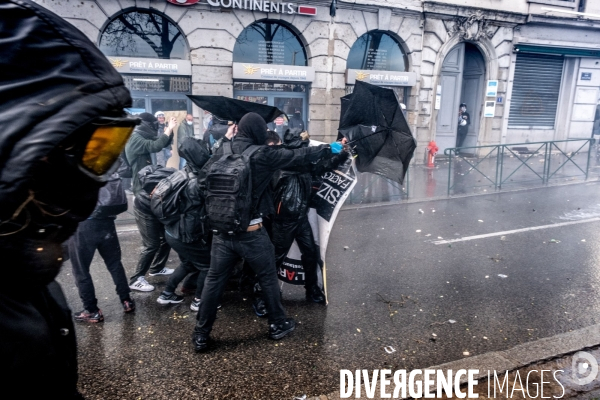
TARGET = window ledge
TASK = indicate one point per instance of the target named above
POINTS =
(558, 3)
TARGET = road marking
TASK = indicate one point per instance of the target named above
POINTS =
(533, 228)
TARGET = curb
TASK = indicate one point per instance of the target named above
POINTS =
(519, 356)
(355, 207)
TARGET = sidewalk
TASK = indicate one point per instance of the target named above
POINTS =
(552, 354)
(471, 176)
(423, 183)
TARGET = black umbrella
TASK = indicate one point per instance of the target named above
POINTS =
(226, 108)
(373, 122)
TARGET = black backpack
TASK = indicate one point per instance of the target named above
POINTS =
(166, 197)
(112, 199)
(229, 201)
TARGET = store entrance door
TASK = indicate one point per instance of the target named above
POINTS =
(289, 98)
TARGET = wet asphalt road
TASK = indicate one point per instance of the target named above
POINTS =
(392, 287)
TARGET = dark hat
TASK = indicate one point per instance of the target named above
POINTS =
(147, 117)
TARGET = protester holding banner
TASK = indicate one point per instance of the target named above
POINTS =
(293, 192)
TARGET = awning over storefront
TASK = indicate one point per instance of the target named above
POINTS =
(557, 50)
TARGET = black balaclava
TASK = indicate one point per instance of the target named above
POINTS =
(253, 126)
(195, 152)
(47, 107)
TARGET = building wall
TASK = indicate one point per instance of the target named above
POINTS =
(427, 31)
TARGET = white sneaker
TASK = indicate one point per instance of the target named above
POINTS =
(164, 271)
(142, 285)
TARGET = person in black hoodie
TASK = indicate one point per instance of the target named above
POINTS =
(64, 127)
(155, 249)
(253, 245)
(188, 235)
(293, 191)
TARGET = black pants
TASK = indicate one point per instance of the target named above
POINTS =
(38, 349)
(155, 252)
(284, 233)
(195, 257)
(97, 234)
(256, 248)
(461, 135)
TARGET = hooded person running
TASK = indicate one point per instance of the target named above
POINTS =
(253, 244)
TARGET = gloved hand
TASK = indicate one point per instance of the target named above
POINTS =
(335, 147)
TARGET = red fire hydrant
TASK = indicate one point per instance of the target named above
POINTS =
(432, 150)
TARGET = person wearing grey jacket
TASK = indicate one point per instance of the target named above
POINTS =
(142, 143)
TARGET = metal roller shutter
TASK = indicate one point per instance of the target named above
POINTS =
(536, 87)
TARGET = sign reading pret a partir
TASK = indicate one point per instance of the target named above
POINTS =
(387, 78)
(273, 72)
(132, 65)
(265, 6)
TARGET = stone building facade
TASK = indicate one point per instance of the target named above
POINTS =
(437, 54)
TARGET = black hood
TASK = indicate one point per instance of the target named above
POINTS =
(53, 81)
(254, 127)
(195, 152)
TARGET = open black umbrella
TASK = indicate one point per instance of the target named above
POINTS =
(230, 109)
(372, 121)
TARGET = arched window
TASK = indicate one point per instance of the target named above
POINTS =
(269, 42)
(143, 34)
(377, 50)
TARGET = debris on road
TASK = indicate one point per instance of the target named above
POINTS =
(503, 276)
(554, 241)
(389, 349)
(452, 321)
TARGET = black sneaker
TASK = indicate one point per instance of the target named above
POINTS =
(86, 316)
(259, 306)
(200, 342)
(277, 332)
(169, 298)
(315, 294)
(128, 305)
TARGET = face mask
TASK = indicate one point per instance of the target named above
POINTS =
(189, 122)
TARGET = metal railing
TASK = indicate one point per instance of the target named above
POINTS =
(504, 172)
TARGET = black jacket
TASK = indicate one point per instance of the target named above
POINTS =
(266, 161)
(191, 224)
(53, 82)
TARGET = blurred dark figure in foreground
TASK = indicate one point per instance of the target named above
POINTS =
(64, 127)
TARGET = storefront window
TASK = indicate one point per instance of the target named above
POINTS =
(143, 34)
(269, 43)
(377, 50)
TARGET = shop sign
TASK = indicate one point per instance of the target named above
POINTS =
(273, 72)
(492, 89)
(385, 78)
(265, 6)
(490, 109)
(158, 66)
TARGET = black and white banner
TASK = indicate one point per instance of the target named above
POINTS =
(324, 207)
